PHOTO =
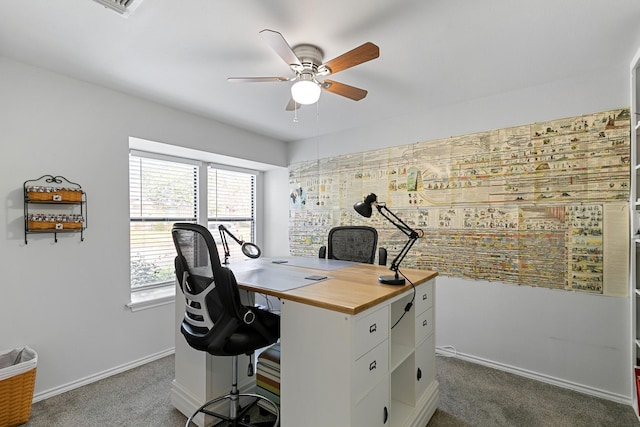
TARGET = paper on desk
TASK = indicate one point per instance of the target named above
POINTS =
(274, 278)
(315, 263)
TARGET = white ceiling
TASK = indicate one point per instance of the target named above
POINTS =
(432, 52)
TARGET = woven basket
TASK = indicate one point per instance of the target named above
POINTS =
(52, 225)
(55, 196)
(16, 395)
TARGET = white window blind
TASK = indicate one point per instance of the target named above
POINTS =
(164, 190)
(161, 193)
(231, 202)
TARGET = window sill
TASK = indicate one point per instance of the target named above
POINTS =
(150, 298)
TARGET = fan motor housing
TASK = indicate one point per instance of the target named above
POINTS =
(309, 55)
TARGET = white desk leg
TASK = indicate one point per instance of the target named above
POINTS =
(189, 386)
(314, 366)
(200, 377)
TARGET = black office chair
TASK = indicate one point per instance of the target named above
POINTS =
(215, 320)
(353, 243)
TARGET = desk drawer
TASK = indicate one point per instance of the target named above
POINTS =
(370, 331)
(424, 325)
(424, 296)
(370, 369)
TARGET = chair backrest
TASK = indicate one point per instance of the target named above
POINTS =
(352, 243)
(213, 311)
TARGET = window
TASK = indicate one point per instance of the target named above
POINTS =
(231, 204)
(160, 193)
(164, 190)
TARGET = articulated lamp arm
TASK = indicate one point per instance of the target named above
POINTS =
(250, 250)
(365, 209)
(408, 231)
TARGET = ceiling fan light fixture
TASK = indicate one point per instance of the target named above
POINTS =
(306, 62)
(122, 7)
(305, 92)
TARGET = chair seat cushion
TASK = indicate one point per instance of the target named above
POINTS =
(247, 338)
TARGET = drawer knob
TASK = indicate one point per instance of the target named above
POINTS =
(424, 297)
(424, 322)
(386, 415)
(372, 365)
(373, 328)
(419, 374)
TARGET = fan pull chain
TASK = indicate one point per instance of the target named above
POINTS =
(318, 149)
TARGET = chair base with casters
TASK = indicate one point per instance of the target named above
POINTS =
(237, 414)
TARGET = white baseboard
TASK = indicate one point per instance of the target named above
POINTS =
(603, 394)
(99, 376)
(184, 401)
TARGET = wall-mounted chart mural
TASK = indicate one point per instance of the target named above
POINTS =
(528, 205)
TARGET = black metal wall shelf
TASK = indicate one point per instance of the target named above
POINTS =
(65, 206)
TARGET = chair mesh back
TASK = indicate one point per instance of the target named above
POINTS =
(353, 243)
(215, 319)
(196, 275)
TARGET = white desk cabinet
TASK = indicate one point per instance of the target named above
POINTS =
(356, 370)
(343, 362)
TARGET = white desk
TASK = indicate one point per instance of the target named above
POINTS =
(341, 363)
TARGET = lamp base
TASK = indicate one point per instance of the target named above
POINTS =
(391, 280)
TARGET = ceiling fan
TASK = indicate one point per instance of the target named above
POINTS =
(305, 60)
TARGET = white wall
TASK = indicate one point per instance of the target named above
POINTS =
(276, 220)
(576, 340)
(67, 299)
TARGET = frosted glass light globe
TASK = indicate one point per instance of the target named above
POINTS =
(305, 92)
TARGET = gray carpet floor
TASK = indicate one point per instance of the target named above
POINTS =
(470, 395)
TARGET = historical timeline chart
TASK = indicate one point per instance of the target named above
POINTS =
(526, 205)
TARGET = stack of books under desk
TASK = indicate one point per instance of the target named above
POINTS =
(268, 376)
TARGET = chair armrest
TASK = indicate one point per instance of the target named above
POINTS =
(264, 324)
(322, 253)
(382, 256)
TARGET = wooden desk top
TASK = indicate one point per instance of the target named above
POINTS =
(351, 289)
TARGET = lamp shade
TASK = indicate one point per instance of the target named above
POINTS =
(305, 92)
(365, 208)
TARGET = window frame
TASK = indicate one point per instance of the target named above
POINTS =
(234, 249)
(152, 295)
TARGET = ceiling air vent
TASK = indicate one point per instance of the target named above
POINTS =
(123, 7)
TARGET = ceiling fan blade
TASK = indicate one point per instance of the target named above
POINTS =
(292, 105)
(342, 89)
(280, 45)
(363, 53)
(257, 79)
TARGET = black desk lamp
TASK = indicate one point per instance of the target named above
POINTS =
(365, 209)
(249, 249)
